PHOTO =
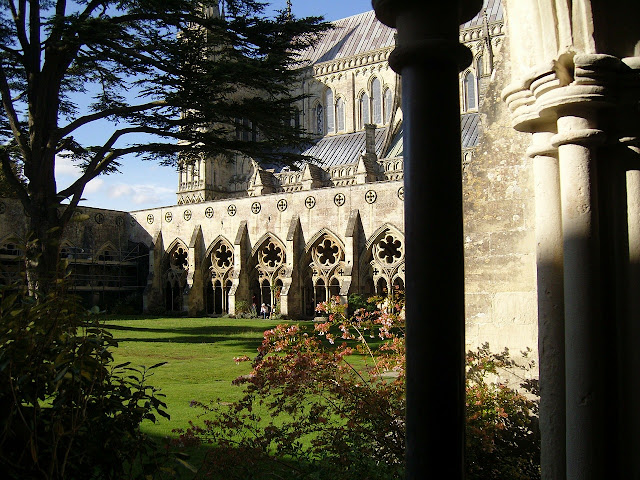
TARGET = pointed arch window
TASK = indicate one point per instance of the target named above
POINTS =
(388, 101)
(329, 108)
(340, 114)
(364, 110)
(319, 119)
(469, 84)
(479, 66)
(376, 101)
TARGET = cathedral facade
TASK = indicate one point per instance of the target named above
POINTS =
(242, 234)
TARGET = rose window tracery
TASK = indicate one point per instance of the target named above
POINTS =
(387, 265)
(221, 261)
(389, 250)
(324, 278)
(270, 256)
(179, 258)
(220, 273)
(223, 256)
(327, 252)
(175, 276)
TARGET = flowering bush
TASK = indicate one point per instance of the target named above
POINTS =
(331, 403)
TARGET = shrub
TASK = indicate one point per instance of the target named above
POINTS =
(310, 411)
(68, 412)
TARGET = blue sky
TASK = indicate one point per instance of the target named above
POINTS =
(144, 184)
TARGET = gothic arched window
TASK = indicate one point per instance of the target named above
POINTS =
(340, 114)
(469, 84)
(295, 118)
(479, 66)
(388, 100)
(376, 101)
(364, 110)
(330, 112)
(319, 116)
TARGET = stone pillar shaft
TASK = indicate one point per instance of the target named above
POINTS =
(583, 349)
(631, 328)
(428, 56)
(550, 305)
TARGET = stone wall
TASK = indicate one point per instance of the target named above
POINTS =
(499, 229)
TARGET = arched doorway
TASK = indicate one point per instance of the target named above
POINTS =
(383, 262)
(326, 266)
(176, 266)
(218, 270)
(269, 259)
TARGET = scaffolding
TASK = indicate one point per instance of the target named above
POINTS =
(100, 276)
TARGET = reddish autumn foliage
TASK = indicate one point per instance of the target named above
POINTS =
(314, 409)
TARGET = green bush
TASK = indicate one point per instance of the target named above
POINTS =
(68, 411)
(312, 410)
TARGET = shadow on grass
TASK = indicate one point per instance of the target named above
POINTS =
(209, 461)
(214, 330)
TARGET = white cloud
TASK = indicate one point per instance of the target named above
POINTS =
(94, 185)
(120, 190)
(141, 194)
(66, 168)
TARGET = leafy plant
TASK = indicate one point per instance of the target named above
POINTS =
(68, 411)
(314, 409)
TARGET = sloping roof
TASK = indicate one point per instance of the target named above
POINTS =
(342, 149)
(364, 33)
(469, 132)
(494, 14)
(469, 123)
(351, 36)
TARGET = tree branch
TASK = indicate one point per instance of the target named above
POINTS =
(12, 116)
(100, 162)
(79, 122)
(13, 181)
(34, 34)
(19, 19)
(90, 8)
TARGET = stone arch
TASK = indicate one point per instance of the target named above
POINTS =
(382, 261)
(340, 113)
(387, 103)
(375, 89)
(175, 266)
(469, 91)
(267, 269)
(364, 109)
(317, 119)
(323, 268)
(68, 250)
(107, 252)
(217, 270)
(329, 101)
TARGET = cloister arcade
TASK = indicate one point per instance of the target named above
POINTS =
(289, 279)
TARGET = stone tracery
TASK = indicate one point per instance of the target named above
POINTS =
(175, 276)
(219, 272)
(270, 267)
(386, 267)
(325, 271)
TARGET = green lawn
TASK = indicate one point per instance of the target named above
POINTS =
(199, 353)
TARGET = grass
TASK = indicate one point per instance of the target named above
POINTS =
(199, 353)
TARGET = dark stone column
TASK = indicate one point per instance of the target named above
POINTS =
(429, 56)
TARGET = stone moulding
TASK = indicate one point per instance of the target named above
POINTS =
(356, 61)
(552, 87)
